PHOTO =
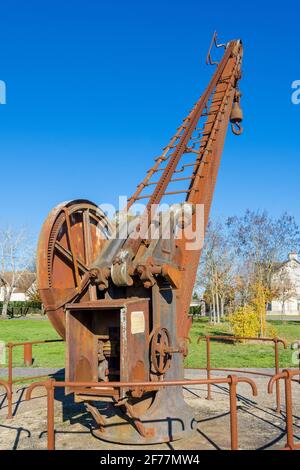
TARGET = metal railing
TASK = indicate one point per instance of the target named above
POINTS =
(287, 375)
(27, 360)
(209, 368)
(231, 380)
(4, 384)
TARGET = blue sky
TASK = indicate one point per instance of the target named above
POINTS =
(95, 89)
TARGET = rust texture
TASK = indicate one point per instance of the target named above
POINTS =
(122, 304)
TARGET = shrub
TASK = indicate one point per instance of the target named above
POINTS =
(271, 331)
(18, 308)
(259, 300)
(245, 322)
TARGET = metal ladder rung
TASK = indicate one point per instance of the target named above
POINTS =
(211, 113)
(172, 180)
(170, 193)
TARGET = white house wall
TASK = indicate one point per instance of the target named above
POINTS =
(16, 296)
(291, 306)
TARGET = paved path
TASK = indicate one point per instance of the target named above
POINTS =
(284, 318)
(190, 373)
(31, 371)
(259, 425)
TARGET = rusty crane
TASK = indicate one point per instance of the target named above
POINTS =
(122, 302)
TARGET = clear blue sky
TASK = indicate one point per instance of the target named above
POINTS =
(95, 89)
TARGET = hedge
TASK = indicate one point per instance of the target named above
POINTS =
(18, 308)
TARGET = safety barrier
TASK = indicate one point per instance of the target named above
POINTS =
(28, 361)
(209, 368)
(287, 375)
(4, 384)
(231, 380)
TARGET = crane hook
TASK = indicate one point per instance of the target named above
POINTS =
(236, 116)
(236, 128)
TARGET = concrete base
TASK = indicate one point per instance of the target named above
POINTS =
(168, 419)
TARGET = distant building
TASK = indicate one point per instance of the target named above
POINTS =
(20, 292)
(197, 307)
(287, 280)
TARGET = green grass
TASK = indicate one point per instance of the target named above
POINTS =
(240, 354)
(222, 354)
(45, 355)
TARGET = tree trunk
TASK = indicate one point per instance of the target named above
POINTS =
(4, 310)
(261, 334)
(222, 307)
(218, 307)
(7, 297)
(214, 307)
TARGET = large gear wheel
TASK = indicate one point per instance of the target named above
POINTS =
(72, 237)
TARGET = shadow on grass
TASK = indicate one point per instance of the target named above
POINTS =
(223, 340)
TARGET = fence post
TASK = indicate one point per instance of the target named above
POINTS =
(28, 355)
(289, 410)
(287, 375)
(278, 396)
(4, 384)
(208, 367)
(296, 347)
(233, 412)
(50, 384)
(10, 379)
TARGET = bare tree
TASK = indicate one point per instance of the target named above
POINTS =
(260, 242)
(33, 293)
(239, 260)
(16, 257)
(216, 270)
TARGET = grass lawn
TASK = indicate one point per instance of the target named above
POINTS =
(222, 354)
(240, 354)
(48, 355)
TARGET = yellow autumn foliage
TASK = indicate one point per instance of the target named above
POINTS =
(271, 331)
(245, 322)
(259, 299)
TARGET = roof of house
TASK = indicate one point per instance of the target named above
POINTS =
(279, 265)
(25, 282)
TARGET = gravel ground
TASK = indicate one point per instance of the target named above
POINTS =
(260, 427)
(30, 371)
